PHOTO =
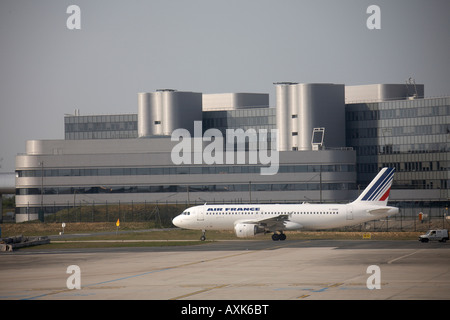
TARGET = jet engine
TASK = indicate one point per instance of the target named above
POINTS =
(245, 230)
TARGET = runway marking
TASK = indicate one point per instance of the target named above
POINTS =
(326, 287)
(336, 285)
(198, 291)
(405, 256)
(95, 284)
(159, 270)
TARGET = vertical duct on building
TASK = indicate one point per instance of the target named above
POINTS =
(144, 114)
(157, 104)
(150, 114)
(161, 112)
(302, 107)
(284, 114)
(169, 103)
(307, 115)
(293, 117)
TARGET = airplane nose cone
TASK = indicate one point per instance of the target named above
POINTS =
(177, 221)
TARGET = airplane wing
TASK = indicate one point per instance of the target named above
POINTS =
(275, 223)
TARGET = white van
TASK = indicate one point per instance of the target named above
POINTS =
(438, 234)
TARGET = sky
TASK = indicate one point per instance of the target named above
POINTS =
(210, 46)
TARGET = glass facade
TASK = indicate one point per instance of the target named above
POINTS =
(243, 187)
(410, 135)
(147, 177)
(119, 126)
(125, 126)
(176, 170)
(251, 118)
(255, 118)
(168, 189)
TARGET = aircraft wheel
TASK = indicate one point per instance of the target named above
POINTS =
(282, 237)
(275, 237)
(202, 238)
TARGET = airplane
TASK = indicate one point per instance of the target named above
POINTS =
(247, 220)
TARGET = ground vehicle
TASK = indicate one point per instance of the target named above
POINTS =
(437, 234)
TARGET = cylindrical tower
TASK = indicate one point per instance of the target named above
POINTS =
(307, 111)
(293, 117)
(303, 107)
(163, 111)
(283, 114)
(144, 114)
(169, 106)
(156, 103)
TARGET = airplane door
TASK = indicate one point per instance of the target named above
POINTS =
(349, 212)
(200, 215)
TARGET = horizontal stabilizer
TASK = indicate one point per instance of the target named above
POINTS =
(378, 211)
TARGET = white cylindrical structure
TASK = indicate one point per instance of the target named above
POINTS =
(283, 114)
(161, 112)
(303, 107)
(144, 115)
(293, 118)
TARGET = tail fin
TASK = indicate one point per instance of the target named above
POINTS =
(377, 192)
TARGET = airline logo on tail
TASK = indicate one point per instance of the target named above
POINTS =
(380, 187)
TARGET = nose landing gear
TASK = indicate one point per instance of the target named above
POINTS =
(203, 237)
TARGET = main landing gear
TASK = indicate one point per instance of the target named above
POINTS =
(203, 237)
(279, 236)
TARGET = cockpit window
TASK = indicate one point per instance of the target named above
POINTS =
(186, 213)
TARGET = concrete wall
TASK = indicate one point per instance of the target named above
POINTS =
(382, 92)
(233, 101)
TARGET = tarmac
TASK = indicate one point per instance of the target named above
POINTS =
(233, 270)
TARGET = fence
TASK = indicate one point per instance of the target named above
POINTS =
(160, 214)
(410, 218)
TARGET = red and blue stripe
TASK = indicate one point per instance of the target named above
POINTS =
(380, 190)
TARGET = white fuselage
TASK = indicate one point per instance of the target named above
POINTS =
(249, 219)
(301, 216)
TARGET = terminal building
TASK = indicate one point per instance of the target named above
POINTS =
(396, 126)
(330, 141)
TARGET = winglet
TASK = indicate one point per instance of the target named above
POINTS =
(377, 192)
